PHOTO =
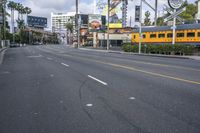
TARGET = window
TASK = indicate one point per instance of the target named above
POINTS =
(161, 35)
(180, 35)
(198, 34)
(134, 36)
(143, 36)
(169, 35)
(190, 34)
(153, 36)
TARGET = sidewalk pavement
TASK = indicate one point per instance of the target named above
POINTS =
(2, 50)
(153, 55)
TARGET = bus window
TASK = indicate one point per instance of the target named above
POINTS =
(180, 34)
(161, 36)
(190, 34)
(169, 35)
(153, 36)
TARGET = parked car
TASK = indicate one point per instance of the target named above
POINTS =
(14, 45)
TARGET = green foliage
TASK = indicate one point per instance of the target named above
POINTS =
(167, 49)
(160, 21)
(147, 21)
(69, 26)
(189, 14)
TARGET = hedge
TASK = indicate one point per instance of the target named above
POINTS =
(167, 49)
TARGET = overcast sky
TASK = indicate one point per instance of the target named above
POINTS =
(45, 7)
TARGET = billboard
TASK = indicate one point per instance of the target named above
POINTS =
(34, 21)
(115, 13)
(95, 22)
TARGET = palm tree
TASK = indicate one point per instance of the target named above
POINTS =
(12, 6)
(21, 26)
(27, 11)
(20, 9)
(69, 27)
(4, 14)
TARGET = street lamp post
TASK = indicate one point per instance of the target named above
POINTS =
(140, 38)
(77, 24)
(108, 26)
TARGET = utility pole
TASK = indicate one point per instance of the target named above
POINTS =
(156, 12)
(4, 21)
(108, 26)
(140, 38)
(174, 29)
(77, 25)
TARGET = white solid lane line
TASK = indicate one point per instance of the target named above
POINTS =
(104, 83)
(64, 64)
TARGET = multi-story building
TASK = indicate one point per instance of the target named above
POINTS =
(198, 13)
(59, 20)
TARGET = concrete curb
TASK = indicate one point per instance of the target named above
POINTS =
(152, 55)
(2, 49)
(2, 55)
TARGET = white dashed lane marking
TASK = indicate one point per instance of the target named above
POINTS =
(64, 64)
(132, 98)
(49, 58)
(104, 83)
(89, 105)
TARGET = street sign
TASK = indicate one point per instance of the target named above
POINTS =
(175, 4)
(175, 14)
(137, 13)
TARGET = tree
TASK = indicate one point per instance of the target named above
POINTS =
(147, 21)
(190, 13)
(21, 26)
(12, 6)
(4, 26)
(20, 9)
(160, 21)
(69, 26)
(27, 11)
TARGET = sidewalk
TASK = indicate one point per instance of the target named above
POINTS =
(2, 50)
(153, 55)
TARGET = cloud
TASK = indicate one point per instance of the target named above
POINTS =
(45, 7)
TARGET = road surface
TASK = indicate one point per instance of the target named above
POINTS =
(58, 89)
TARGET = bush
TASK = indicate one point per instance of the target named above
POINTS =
(167, 49)
(178, 49)
(188, 50)
(160, 49)
(126, 47)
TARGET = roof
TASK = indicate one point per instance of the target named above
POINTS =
(164, 28)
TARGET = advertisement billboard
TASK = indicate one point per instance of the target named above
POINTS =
(116, 14)
(34, 21)
(94, 22)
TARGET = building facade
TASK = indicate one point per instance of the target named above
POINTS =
(59, 20)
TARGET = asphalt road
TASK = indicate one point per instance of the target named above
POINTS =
(58, 89)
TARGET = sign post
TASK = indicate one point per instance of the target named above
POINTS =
(174, 4)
